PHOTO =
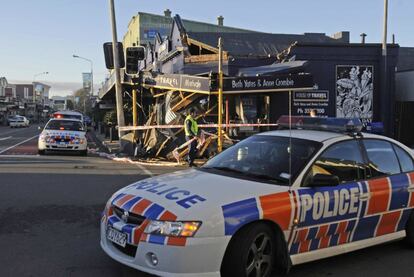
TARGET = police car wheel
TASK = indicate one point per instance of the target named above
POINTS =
(251, 252)
(410, 230)
(41, 152)
(84, 152)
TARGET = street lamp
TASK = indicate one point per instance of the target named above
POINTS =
(82, 58)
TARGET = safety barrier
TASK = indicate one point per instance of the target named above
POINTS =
(231, 125)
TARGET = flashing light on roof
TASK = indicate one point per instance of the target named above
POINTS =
(58, 116)
(375, 128)
(61, 128)
(333, 124)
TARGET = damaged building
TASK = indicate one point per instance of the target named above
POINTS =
(265, 76)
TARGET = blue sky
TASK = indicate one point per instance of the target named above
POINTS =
(42, 35)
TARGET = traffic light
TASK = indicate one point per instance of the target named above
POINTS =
(109, 57)
(132, 56)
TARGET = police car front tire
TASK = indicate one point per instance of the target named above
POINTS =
(41, 152)
(251, 252)
(410, 230)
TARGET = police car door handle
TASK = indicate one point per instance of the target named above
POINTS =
(364, 196)
(410, 188)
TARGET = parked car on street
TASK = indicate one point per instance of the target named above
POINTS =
(10, 118)
(18, 121)
(62, 134)
(273, 200)
(87, 121)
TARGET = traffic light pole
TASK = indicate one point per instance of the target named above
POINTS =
(118, 86)
(134, 110)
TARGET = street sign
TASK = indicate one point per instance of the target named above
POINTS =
(87, 81)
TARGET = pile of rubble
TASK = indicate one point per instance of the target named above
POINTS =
(168, 142)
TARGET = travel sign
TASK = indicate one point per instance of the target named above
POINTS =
(178, 82)
(231, 85)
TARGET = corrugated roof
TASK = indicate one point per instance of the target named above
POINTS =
(259, 44)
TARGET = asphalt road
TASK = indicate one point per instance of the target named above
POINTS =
(11, 138)
(50, 210)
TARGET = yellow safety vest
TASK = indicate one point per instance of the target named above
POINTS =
(194, 126)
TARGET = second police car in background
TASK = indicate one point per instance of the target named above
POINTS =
(63, 134)
(274, 200)
(69, 115)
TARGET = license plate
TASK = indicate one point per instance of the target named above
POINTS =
(116, 236)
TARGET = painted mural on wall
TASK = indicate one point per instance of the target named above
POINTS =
(355, 92)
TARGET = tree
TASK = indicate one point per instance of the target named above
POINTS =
(82, 101)
(69, 105)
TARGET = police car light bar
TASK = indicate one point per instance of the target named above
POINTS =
(332, 124)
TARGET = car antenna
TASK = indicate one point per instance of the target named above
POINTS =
(290, 138)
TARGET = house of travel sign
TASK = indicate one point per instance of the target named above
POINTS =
(231, 85)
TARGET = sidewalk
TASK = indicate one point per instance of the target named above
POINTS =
(101, 146)
(98, 142)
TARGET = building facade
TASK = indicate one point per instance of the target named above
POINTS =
(59, 103)
(8, 102)
(26, 99)
(405, 95)
(348, 77)
(143, 28)
(24, 92)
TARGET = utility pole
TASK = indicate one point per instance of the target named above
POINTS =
(118, 87)
(220, 96)
(134, 110)
(384, 37)
(387, 100)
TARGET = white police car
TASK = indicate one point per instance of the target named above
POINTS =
(61, 134)
(274, 200)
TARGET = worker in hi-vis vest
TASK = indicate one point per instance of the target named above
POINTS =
(191, 133)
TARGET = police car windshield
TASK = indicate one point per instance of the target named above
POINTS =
(64, 125)
(265, 158)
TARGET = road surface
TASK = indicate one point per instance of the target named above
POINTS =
(50, 211)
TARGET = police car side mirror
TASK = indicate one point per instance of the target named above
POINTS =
(324, 180)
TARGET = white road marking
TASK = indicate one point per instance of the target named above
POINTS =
(8, 148)
(127, 160)
(19, 162)
(146, 171)
(25, 156)
(5, 138)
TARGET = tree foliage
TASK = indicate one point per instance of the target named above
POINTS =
(69, 104)
(82, 101)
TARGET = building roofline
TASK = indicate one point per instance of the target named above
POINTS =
(42, 84)
(339, 44)
(199, 22)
